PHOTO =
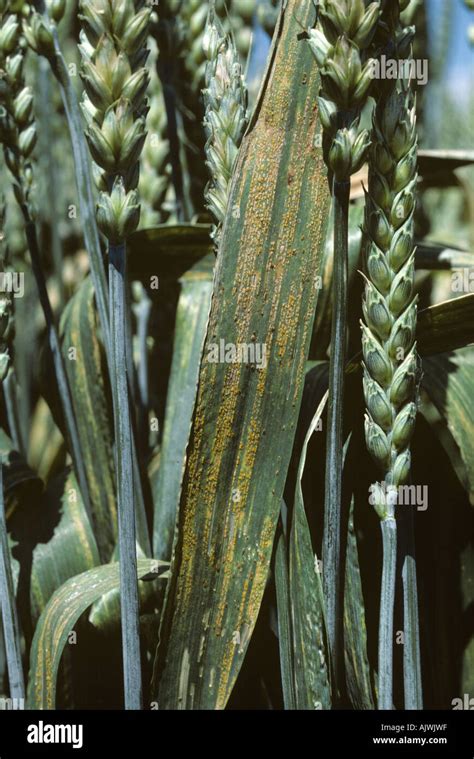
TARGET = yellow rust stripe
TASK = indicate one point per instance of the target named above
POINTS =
(245, 418)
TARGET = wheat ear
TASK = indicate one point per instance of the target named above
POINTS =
(390, 310)
(155, 175)
(18, 136)
(340, 43)
(225, 99)
(113, 49)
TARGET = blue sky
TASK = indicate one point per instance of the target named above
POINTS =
(460, 63)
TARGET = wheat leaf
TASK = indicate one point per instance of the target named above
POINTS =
(58, 620)
(245, 417)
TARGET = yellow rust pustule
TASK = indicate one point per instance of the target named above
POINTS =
(244, 417)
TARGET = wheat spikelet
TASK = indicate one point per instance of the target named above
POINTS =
(235, 17)
(225, 98)
(182, 64)
(113, 51)
(388, 336)
(155, 181)
(17, 124)
(18, 135)
(388, 331)
(340, 43)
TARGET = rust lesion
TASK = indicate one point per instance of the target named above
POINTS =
(264, 269)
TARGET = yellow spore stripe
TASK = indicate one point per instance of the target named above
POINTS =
(264, 292)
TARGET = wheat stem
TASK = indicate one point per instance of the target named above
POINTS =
(387, 593)
(390, 309)
(413, 690)
(339, 42)
(114, 52)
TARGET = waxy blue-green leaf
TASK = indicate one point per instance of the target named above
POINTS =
(285, 636)
(245, 417)
(88, 378)
(83, 177)
(310, 651)
(357, 669)
(358, 676)
(59, 618)
(105, 612)
(51, 540)
(86, 371)
(190, 329)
